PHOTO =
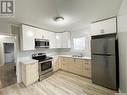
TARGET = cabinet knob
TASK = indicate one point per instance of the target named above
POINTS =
(86, 63)
(86, 68)
(74, 60)
(102, 30)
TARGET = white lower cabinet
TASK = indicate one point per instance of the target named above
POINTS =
(29, 72)
(76, 65)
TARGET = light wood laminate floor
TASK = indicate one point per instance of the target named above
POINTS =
(60, 83)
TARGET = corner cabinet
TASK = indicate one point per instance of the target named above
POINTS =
(104, 27)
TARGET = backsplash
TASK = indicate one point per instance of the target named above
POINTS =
(74, 52)
(28, 54)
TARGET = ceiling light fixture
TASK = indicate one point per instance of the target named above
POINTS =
(59, 19)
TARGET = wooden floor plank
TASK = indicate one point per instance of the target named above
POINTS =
(60, 83)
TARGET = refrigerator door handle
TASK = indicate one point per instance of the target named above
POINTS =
(103, 54)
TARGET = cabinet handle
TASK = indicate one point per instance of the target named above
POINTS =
(87, 63)
(86, 69)
(102, 30)
(74, 60)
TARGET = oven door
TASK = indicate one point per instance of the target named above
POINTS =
(45, 66)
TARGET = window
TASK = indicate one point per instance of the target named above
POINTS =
(79, 43)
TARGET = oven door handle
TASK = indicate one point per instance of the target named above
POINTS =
(45, 61)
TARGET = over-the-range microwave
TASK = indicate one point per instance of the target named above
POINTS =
(41, 43)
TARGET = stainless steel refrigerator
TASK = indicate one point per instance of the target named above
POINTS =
(105, 67)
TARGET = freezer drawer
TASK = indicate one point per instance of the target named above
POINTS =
(104, 71)
(103, 46)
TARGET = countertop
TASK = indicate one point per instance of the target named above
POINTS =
(89, 58)
(30, 61)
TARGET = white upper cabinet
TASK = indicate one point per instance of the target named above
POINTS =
(51, 36)
(63, 40)
(27, 38)
(104, 27)
(59, 39)
(56, 40)
(39, 34)
(66, 40)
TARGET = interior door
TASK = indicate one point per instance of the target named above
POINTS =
(104, 71)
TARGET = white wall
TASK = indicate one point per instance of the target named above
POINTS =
(83, 32)
(122, 36)
(5, 27)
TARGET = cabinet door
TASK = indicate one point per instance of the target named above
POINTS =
(76, 66)
(66, 40)
(52, 38)
(104, 27)
(59, 39)
(30, 73)
(28, 38)
(45, 34)
(63, 40)
(55, 64)
(64, 63)
(86, 68)
(39, 33)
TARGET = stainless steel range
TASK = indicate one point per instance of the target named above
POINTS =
(45, 65)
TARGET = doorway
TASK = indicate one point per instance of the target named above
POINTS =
(8, 61)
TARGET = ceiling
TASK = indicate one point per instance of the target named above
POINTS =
(77, 13)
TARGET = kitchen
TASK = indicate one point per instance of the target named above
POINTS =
(54, 54)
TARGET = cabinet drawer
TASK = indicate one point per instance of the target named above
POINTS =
(32, 66)
(76, 60)
(65, 59)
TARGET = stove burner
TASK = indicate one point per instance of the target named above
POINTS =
(41, 57)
